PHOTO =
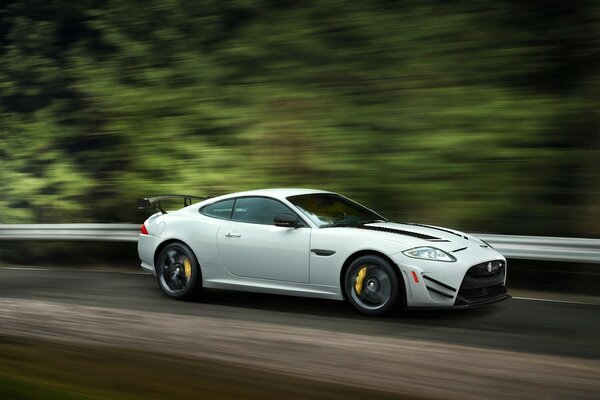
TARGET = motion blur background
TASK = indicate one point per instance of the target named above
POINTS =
(479, 115)
(482, 116)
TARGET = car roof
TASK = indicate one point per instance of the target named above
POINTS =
(277, 193)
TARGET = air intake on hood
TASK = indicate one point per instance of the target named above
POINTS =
(435, 227)
(398, 231)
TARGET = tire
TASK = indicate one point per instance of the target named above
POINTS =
(377, 283)
(176, 279)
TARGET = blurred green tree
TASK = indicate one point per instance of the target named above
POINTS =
(479, 115)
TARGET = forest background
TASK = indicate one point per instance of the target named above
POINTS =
(479, 115)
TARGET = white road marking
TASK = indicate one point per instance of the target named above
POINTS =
(555, 301)
(26, 268)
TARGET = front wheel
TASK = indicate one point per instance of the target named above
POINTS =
(178, 272)
(372, 286)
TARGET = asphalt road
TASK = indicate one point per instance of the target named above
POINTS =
(560, 339)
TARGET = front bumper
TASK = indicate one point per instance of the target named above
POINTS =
(464, 284)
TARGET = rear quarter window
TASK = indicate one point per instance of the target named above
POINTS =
(220, 209)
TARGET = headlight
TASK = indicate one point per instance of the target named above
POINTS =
(429, 253)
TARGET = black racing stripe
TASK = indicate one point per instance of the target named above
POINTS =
(398, 231)
(439, 283)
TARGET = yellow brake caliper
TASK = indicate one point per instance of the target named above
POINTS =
(187, 266)
(360, 277)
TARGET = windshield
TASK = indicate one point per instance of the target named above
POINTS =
(328, 209)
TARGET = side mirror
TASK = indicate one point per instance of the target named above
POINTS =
(285, 220)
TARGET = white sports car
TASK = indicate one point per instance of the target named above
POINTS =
(315, 243)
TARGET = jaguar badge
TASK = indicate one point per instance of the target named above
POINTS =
(489, 268)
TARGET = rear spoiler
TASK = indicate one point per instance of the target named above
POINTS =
(154, 202)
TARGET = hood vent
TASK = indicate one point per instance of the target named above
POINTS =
(398, 231)
(435, 227)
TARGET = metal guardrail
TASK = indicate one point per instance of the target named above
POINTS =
(78, 232)
(545, 248)
(542, 248)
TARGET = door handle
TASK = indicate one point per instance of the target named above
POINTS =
(233, 234)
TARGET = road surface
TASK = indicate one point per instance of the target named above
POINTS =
(140, 344)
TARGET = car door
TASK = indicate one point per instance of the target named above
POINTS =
(250, 245)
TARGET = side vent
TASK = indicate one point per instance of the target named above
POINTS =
(442, 289)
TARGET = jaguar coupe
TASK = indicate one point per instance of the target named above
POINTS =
(314, 243)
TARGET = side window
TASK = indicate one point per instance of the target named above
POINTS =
(221, 209)
(258, 210)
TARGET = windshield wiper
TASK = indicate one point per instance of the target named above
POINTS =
(346, 224)
(340, 225)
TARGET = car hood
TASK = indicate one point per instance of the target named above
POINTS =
(423, 235)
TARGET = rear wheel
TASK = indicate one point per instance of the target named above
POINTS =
(178, 272)
(371, 284)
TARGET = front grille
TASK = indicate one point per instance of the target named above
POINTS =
(483, 283)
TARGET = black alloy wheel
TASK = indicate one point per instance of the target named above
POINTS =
(372, 285)
(178, 272)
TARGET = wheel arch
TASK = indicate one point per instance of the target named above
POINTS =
(356, 255)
